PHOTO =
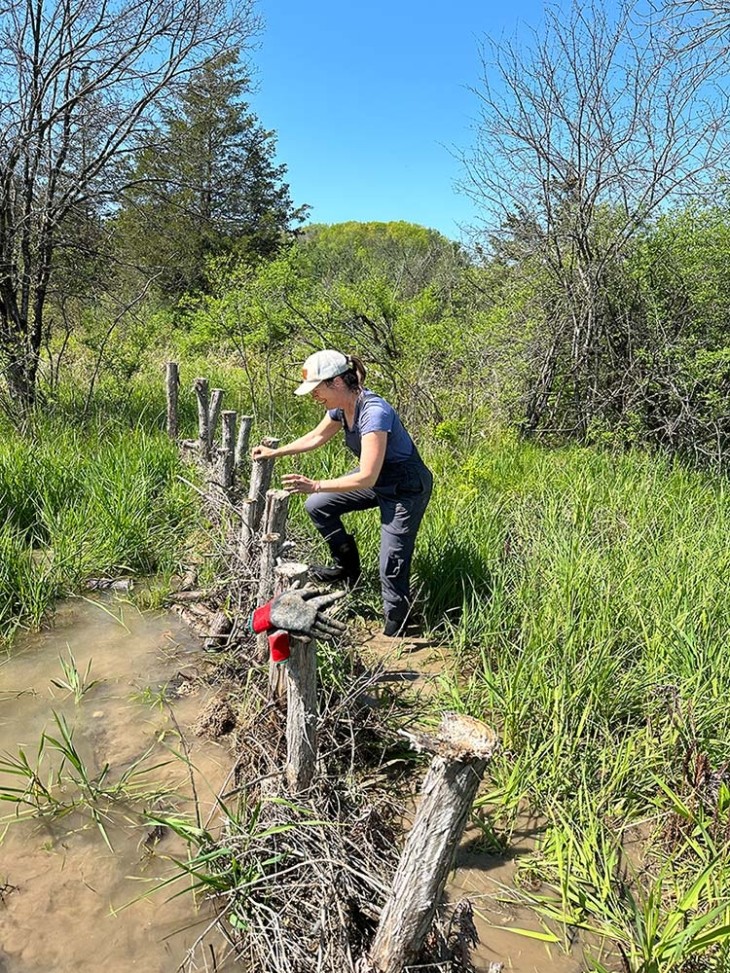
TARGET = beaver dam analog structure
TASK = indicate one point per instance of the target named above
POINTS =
(305, 864)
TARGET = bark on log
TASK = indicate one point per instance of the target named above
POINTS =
(248, 532)
(187, 596)
(172, 383)
(261, 471)
(269, 549)
(276, 508)
(214, 411)
(201, 391)
(244, 434)
(228, 450)
(462, 747)
(189, 579)
(219, 630)
(198, 617)
(301, 714)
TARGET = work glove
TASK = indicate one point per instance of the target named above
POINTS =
(279, 648)
(300, 612)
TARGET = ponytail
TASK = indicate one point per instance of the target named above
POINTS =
(354, 377)
(359, 369)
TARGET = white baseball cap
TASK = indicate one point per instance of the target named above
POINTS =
(321, 366)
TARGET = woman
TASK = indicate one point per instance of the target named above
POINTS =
(391, 475)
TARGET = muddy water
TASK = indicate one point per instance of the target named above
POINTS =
(64, 895)
(488, 882)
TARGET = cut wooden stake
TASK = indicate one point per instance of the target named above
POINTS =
(260, 481)
(228, 450)
(301, 714)
(220, 627)
(462, 747)
(201, 391)
(276, 509)
(172, 383)
(289, 573)
(214, 411)
(269, 549)
(285, 575)
(248, 532)
(244, 434)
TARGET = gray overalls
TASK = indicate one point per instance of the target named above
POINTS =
(402, 492)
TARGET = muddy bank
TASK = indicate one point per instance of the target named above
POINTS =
(66, 896)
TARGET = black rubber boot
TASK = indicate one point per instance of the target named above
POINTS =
(346, 567)
(394, 627)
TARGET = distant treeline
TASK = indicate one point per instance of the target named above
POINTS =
(592, 306)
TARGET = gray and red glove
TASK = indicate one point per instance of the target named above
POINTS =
(279, 648)
(301, 613)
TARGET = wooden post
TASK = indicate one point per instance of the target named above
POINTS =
(260, 481)
(248, 532)
(301, 714)
(244, 434)
(269, 550)
(172, 382)
(462, 746)
(228, 449)
(214, 411)
(201, 390)
(285, 575)
(218, 632)
(276, 509)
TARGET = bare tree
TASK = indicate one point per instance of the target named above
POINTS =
(700, 24)
(585, 134)
(79, 83)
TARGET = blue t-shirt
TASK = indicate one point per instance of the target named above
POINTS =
(373, 414)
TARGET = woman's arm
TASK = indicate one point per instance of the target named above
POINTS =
(372, 456)
(318, 436)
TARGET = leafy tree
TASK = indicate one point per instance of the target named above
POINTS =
(680, 361)
(205, 185)
(380, 289)
(78, 84)
(585, 136)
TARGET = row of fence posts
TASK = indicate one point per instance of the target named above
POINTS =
(461, 748)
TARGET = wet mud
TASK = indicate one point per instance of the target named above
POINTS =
(68, 902)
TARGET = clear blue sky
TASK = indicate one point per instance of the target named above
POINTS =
(370, 99)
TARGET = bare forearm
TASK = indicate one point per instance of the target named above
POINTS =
(343, 484)
(295, 483)
(304, 444)
(310, 440)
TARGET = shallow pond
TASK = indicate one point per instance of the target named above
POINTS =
(68, 903)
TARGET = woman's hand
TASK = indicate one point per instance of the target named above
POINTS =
(294, 483)
(263, 452)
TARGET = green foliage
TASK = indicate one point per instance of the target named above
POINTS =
(81, 505)
(683, 352)
(584, 596)
(57, 781)
(74, 681)
(206, 184)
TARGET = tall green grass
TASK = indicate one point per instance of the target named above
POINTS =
(583, 596)
(77, 503)
(586, 601)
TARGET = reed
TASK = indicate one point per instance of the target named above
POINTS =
(78, 504)
(594, 635)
